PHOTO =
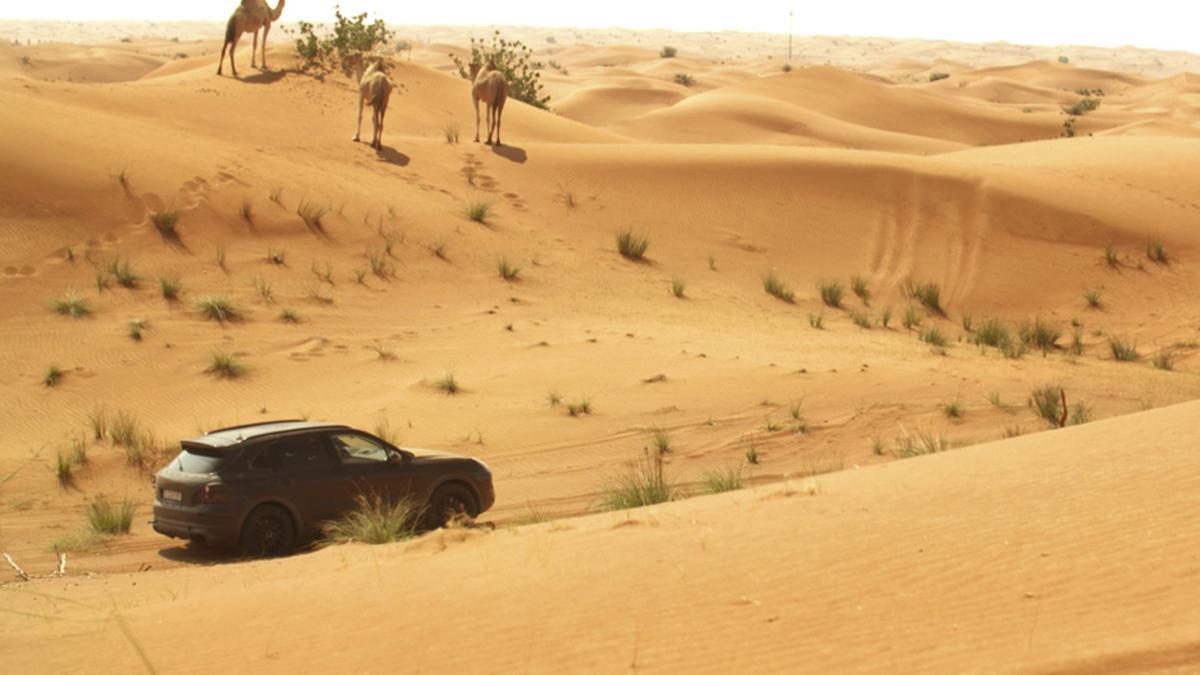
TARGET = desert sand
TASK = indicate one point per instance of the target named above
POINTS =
(1018, 548)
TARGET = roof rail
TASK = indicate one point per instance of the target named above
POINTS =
(255, 424)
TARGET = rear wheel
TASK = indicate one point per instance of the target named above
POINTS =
(450, 503)
(268, 532)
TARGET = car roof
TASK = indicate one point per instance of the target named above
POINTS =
(230, 436)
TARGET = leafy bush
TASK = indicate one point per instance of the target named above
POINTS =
(668, 52)
(1083, 107)
(351, 36)
(512, 59)
(934, 77)
(685, 79)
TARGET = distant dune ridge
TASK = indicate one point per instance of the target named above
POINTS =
(887, 249)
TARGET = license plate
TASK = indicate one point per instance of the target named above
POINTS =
(173, 495)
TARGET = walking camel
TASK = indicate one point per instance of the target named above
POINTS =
(374, 88)
(491, 88)
(249, 17)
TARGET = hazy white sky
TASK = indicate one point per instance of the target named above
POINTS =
(1162, 24)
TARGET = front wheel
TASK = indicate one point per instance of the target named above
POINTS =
(451, 503)
(268, 533)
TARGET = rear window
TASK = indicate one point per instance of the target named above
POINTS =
(195, 460)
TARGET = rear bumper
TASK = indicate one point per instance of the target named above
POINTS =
(211, 525)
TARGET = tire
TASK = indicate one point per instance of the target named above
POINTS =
(268, 533)
(450, 502)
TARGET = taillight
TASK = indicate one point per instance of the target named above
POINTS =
(216, 493)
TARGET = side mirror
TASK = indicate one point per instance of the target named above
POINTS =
(397, 458)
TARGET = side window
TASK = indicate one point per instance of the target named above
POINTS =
(356, 449)
(299, 452)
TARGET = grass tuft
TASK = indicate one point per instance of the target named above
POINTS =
(312, 214)
(105, 518)
(817, 320)
(53, 376)
(861, 319)
(64, 469)
(726, 479)
(911, 318)
(136, 327)
(508, 270)
(1047, 402)
(662, 440)
(858, 284)
(579, 408)
(1040, 335)
(953, 409)
(1164, 360)
(678, 287)
(166, 223)
(225, 366)
(98, 422)
(71, 305)
(1094, 297)
(632, 245)
(478, 211)
(289, 315)
(447, 383)
(921, 442)
(642, 483)
(218, 308)
(450, 132)
(928, 293)
(247, 211)
(170, 288)
(1122, 349)
(934, 336)
(992, 332)
(1156, 251)
(831, 293)
(122, 271)
(1112, 257)
(376, 520)
(778, 288)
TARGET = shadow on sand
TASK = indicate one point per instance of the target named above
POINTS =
(265, 77)
(393, 156)
(511, 153)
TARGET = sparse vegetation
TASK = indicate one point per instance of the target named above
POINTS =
(661, 440)
(1094, 297)
(136, 328)
(64, 469)
(220, 258)
(323, 271)
(1082, 107)
(721, 480)
(312, 214)
(478, 211)
(105, 518)
(350, 36)
(928, 293)
(935, 77)
(1156, 251)
(376, 520)
(1047, 402)
(632, 245)
(225, 365)
(684, 79)
(98, 422)
(668, 52)
(264, 289)
(554, 399)
(122, 271)
(165, 222)
(642, 483)
(71, 305)
(911, 318)
(383, 352)
(1164, 360)
(218, 308)
(438, 248)
(53, 376)
(247, 211)
(277, 196)
(378, 263)
(817, 320)
(566, 195)
(859, 285)
(579, 408)
(992, 332)
(935, 337)
(1111, 256)
(289, 315)
(921, 442)
(678, 287)
(885, 317)
(752, 455)
(953, 409)
(447, 383)
(778, 288)
(170, 288)
(1040, 335)
(1122, 349)
(124, 429)
(831, 293)
(507, 269)
(861, 319)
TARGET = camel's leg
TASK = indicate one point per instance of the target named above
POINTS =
(254, 52)
(232, 52)
(491, 122)
(476, 119)
(266, 29)
(221, 63)
(379, 132)
(358, 130)
(499, 116)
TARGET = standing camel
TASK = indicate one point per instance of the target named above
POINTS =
(375, 88)
(491, 88)
(250, 16)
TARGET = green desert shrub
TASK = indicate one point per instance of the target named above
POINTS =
(831, 293)
(642, 483)
(632, 245)
(778, 288)
(721, 480)
(1122, 349)
(218, 308)
(376, 520)
(335, 48)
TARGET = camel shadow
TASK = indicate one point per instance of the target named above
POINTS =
(393, 156)
(511, 153)
(265, 77)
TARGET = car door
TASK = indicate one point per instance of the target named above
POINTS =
(307, 477)
(371, 465)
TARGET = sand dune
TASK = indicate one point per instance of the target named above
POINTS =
(1005, 546)
(819, 174)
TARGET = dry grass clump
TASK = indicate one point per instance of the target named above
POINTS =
(831, 293)
(911, 319)
(312, 214)
(992, 332)
(170, 288)
(166, 222)
(1164, 360)
(642, 483)
(579, 408)
(778, 288)
(72, 305)
(218, 308)
(122, 271)
(447, 383)
(928, 293)
(225, 365)
(632, 245)
(935, 337)
(450, 132)
(921, 442)
(861, 319)
(1040, 334)
(721, 480)
(859, 285)
(376, 520)
(1049, 403)
(1123, 349)
(478, 211)
(106, 518)
(53, 376)
(1094, 297)
(507, 269)
(289, 315)
(678, 287)
(1156, 251)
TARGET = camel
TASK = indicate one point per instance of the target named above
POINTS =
(375, 88)
(250, 16)
(491, 88)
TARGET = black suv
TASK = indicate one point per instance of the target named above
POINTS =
(262, 487)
